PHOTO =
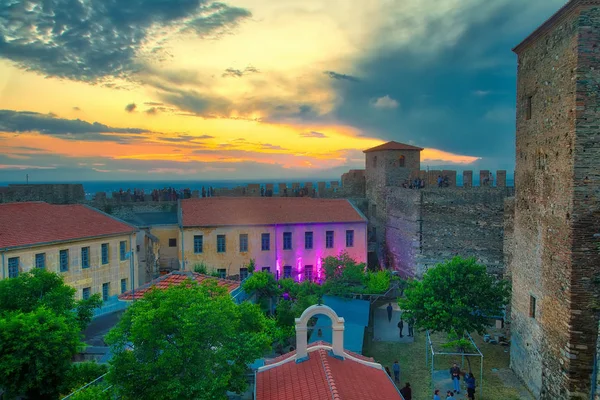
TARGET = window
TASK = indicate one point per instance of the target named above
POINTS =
(287, 240)
(373, 210)
(375, 162)
(287, 271)
(173, 242)
(104, 250)
(401, 161)
(308, 272)
(221, 244)
(40, 260)
(137, 248)
(64, 260)
(350, 238)
(329, 239)
(265, 240)
(86, 293)
(243, 273)
(13, 267)
(123, 285)
(122, 249)
(308, 240)
(85, 257)
(222, 273)
(528, 102)
(105, 291)
(198, 244)
(243, 242)
(266, 269)
(532, 306)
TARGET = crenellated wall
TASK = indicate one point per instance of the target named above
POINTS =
(60, 193)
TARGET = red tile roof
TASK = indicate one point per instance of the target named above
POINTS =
(393, 146)
(31, 223)
(176, 278)
(236, 211)
(323, 377)
(313, 344)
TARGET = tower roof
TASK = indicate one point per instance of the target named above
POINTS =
(393, 146)
(557, 17)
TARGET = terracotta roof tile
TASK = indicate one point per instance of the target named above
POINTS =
(32, 223)
(323, 377)
(235, 211)
(393, 146)
(176, 278)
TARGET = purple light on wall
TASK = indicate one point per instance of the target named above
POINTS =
(319, 268)
(299, 268)
(278, 267)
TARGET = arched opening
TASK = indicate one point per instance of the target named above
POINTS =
(401, 161)
(337, 326)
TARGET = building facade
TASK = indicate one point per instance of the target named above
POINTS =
(91, 250)
(555, 260)
(288, 237)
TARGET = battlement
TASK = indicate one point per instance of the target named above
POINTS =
(55, 193)
(448, 178)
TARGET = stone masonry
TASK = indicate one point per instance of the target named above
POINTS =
(555, 262)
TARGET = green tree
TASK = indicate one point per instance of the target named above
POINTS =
(456, 296)
(187, 342)
(377, 282)
(40, 288)
(264, 285)
(201, 268)
(81, 374)
(35, 352)
(344, 276)
(40, 332)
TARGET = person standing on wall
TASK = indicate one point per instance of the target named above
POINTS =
(389, 311)
(455, 375)
(401, 327)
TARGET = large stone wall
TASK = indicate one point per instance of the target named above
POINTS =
(555, 260)
(50, 193)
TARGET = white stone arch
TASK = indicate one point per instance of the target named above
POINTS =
(301, 330)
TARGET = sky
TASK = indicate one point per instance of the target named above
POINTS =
(255, 89)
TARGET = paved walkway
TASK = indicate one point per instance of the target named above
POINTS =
(442, 381)
(387, 331)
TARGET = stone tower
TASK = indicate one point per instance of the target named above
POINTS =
(555, 262)
(389, 164)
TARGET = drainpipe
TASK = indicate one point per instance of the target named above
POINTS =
(182, 251)
(3, 267)
(131, 266)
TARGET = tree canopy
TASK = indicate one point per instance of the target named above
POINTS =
(457, 296)
(40, 332)
(187, 342)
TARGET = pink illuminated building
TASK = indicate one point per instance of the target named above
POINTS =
(287, 236)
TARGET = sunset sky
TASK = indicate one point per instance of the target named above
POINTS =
(195, 89)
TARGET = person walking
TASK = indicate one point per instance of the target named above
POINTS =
(406, 392)
(401, 327)
(411, 324)
(455, 375)
(470, 381)
(436, 394)
(389, 311)
(396, 368)
(387, 369)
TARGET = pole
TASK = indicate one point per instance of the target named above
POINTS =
(481, 373)
(27, 179)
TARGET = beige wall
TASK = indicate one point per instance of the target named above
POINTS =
(232, 260)
(79, 278)
(168, 256)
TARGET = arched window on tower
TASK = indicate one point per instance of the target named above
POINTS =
(401, 161)
(375, 162)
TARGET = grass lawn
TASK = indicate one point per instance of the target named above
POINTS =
(411, 357)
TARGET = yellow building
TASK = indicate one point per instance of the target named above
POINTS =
(288, 236)
(91, 249)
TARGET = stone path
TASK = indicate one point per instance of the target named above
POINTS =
(386, 331)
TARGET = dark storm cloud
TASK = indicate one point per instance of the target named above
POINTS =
(130, 107)
(457, 98)
(90, 40)
(313, 134)
(73, 129)
(335, 75)
(238, 73)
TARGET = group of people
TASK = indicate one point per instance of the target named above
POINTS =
(410, 322)
(406, 391)
(455, 375)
